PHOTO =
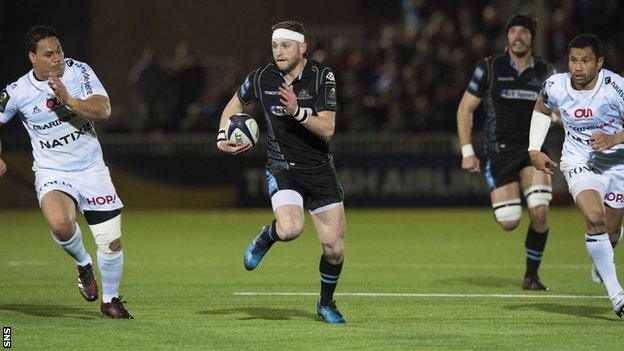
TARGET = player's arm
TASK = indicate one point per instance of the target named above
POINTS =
(224, 144)
(95, 107)
(540, 124)
(465, 113)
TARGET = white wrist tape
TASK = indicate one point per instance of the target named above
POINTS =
(467, 150)
(301, 115)
(221, 135)
(283, 33)
(540, 123)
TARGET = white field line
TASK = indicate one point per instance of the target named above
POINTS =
(372, 294)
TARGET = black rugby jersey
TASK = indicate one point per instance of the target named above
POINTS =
(290, 144)
(508, 98)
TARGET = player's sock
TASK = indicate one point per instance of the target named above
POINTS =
(329, 279)
(270, 236)
(534, 246)
(75, 248)
(601, 252)
(111, 267)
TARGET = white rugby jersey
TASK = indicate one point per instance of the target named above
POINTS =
(585, 112)
(61, 140)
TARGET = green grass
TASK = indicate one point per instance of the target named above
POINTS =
(183, 268)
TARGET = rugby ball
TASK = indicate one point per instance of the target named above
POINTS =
(241, 129)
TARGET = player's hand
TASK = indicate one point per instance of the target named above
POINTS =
(288, 98)
(600, 141)
(230, 147)
(3, 168)
(59, 89)
(542, 162)
(471, 164)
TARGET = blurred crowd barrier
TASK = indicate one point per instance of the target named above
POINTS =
(187, 171)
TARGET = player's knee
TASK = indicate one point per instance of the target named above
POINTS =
(108, 235)
(509, 225)
(596, 221)
(508, 213)
(289, 229)
(63, 225)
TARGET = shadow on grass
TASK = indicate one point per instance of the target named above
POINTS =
(51, 311)
(570, 310)
(486, 282)
(264, 313)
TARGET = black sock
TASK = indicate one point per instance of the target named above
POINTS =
(534, 246)
(329, 279)
(270, 235)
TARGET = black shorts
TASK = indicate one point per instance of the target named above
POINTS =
(318, 186)
(504, 167)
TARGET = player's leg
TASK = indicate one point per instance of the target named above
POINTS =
(613, 218)
(501, 172)
(57, 200)
(287, 225)
(537, 191)
(330, 224)
(507, 205)
(598, 245)
(102, 210)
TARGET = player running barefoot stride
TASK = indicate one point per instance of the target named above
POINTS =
(591, 101)
(298, 97)
(58, 101)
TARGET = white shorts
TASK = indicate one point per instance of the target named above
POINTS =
(92, 189)
(609, 183)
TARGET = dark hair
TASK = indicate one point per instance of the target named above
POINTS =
(37, 33)
(587, 40)
(523, 21)
(291, 25)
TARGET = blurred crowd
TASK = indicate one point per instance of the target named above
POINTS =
(409, 77)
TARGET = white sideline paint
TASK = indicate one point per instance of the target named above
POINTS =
(371, 294)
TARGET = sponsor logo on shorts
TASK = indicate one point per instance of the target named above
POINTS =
(102, 200)
(580, 170)
(614, 197)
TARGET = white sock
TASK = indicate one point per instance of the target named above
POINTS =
(111, 266)
(75, 248)
(601, 252)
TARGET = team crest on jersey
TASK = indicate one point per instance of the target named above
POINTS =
(53, 103)
(4, 99)
(304, 95)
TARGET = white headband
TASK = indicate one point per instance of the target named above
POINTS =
(283, 33)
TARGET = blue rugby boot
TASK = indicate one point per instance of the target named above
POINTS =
(258, 248)
(329, 313)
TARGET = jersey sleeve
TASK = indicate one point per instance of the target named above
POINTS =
(618, 86)
(8, 105)
(89, 83)
(247, 91)
(479, 81)
(547, 93)
(326, 97)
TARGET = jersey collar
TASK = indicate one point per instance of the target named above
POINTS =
(513, 64)
(41, 85)
(305, 72)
